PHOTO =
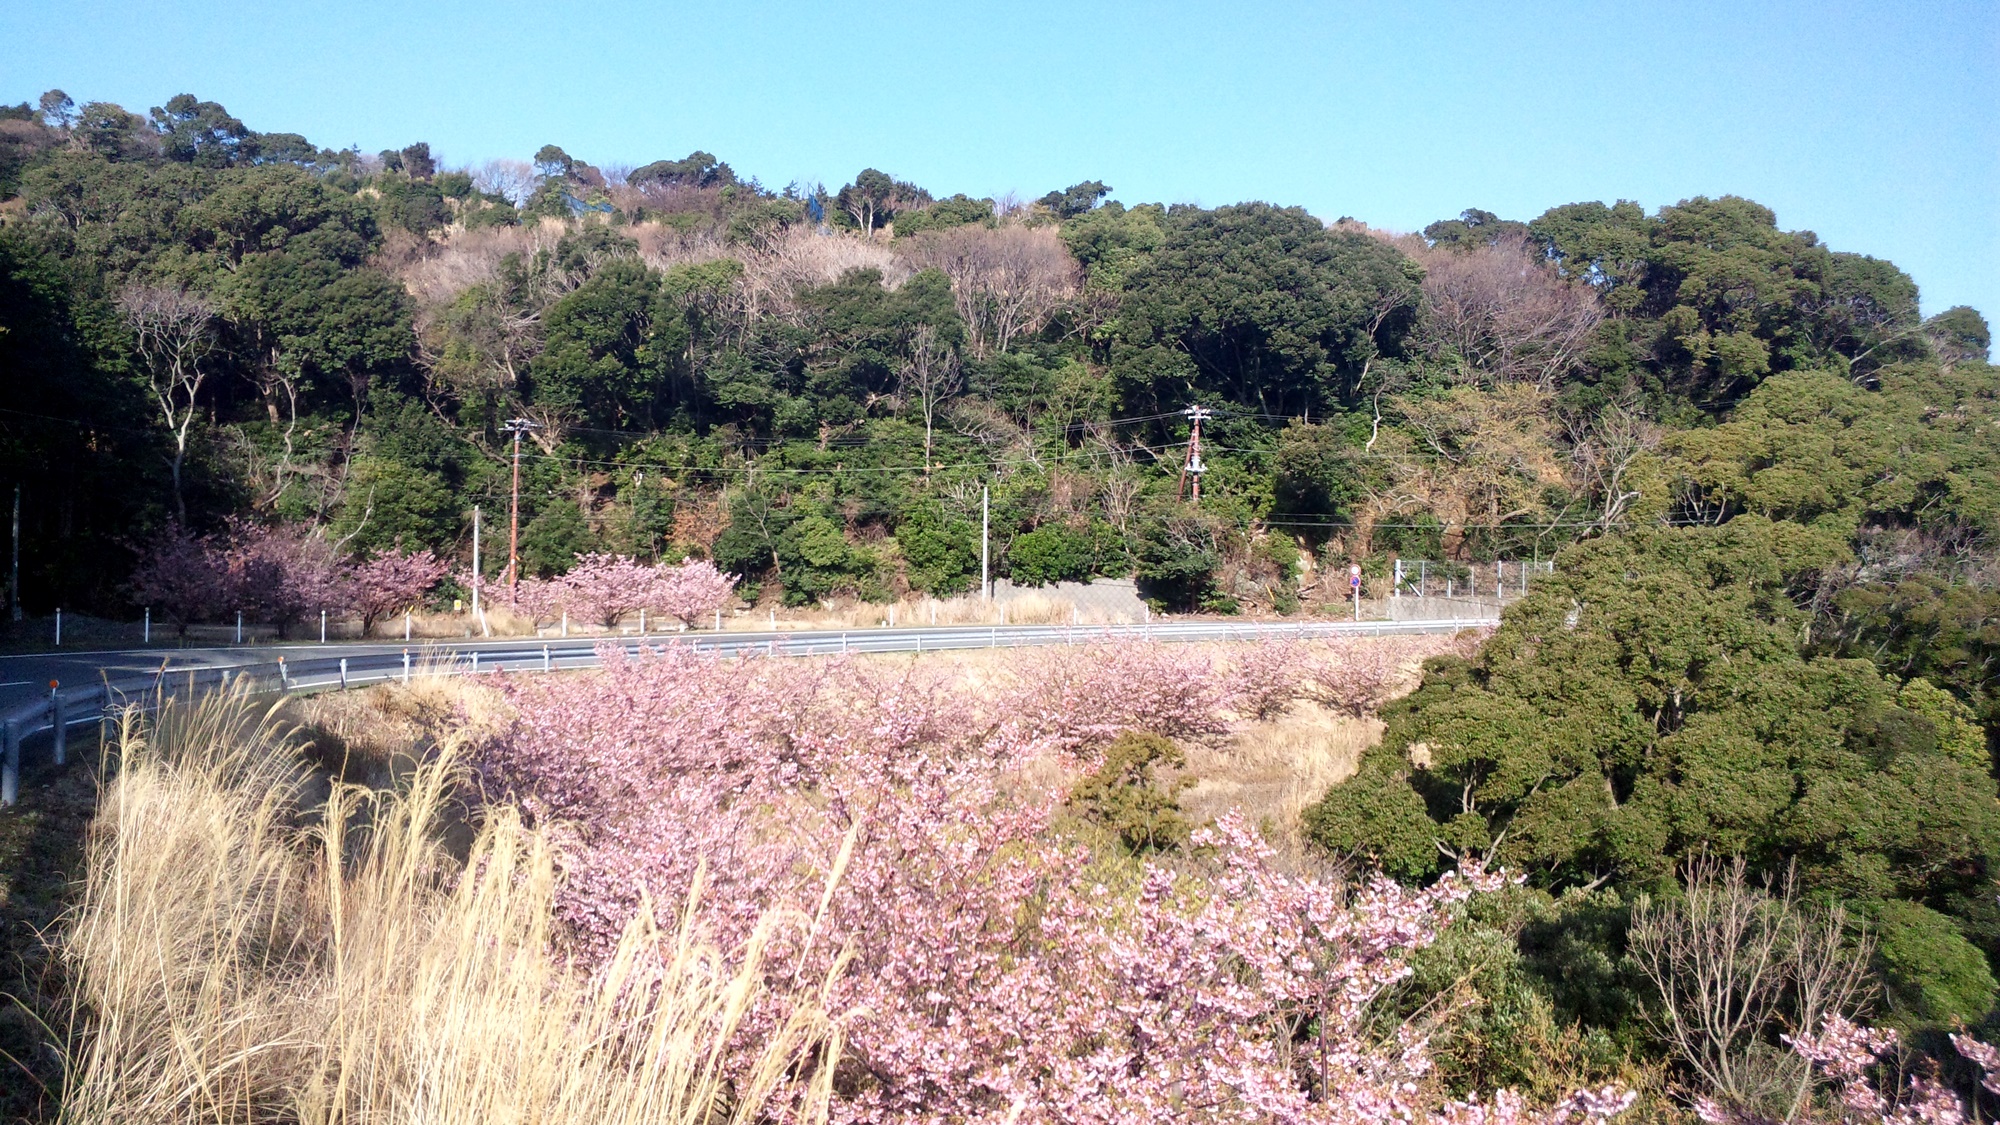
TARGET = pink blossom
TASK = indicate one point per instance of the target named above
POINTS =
(990, 974)
(391, 581)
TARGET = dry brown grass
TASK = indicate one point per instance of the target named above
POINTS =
(1272, 770)
(241, 953)
(847, 613)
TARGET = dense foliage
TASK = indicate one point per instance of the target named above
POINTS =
(810, 385)
(1771, 485)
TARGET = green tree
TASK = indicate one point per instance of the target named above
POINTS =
(1050, 553)
(1127, 795)
(1262, 306)
(1650, 701)
(942, 553)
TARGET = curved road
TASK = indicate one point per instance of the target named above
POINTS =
(25, 678)
(89, 678)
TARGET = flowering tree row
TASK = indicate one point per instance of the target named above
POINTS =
(279, 576)
(998, 969)
(603, 589)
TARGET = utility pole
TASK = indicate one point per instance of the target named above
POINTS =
(14, 575)
(985, 541)
(517, 427)
(475, 562)
(1193, 467)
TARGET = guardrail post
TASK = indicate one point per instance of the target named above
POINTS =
(843, 642)
(406, 666)
(548, 662)
(58, 722)
(10, 765)
(475, 662)
(284, 675)
(343, 673)
(147, 636)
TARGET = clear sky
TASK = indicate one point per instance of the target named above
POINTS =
(1876, 125)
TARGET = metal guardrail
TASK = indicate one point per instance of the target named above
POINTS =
(65, 708)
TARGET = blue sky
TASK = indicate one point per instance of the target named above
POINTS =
(1876, 125)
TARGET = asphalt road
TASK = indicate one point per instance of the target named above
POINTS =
(24, 679)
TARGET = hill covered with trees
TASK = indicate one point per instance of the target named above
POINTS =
(810, 385)
(1770, 485)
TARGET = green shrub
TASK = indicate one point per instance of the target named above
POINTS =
(1929, 972)
(1126, 795)
(1050, 553)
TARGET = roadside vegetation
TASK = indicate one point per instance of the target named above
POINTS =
(1735, 753)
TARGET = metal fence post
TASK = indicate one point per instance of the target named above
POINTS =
(548, 663)
(406, 666)
(1396, 591)
(10, 765)
(343, 673)
(59, 723)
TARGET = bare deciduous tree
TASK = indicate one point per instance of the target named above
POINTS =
(515, 179)
(1471, 458)
(930, 374)
(1736, 964)
(173, 330)
(1603, 452)
(1503, 314)
(1006, 281)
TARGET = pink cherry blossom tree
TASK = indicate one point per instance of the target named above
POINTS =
(1848, 1056)
(391, 581)
(996, 971)
(691, 591)
(183, 575)
(604, 588)
(282, 575)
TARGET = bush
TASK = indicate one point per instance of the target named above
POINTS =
(1126, 795)
(1930, 973)
(1050, 553)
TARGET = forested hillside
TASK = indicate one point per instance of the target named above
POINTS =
(1770, 485)
(205, 323)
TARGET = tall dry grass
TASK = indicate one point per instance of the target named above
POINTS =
(246, 952)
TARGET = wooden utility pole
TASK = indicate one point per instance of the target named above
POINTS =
(1192, 466)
